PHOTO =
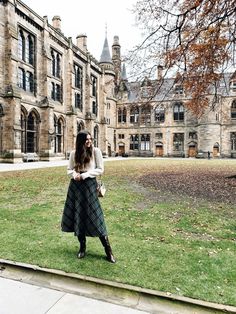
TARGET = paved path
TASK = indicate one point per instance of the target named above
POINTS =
(22, 298)
(32, 165)
(42, 164)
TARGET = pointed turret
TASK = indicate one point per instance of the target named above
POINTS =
(123, 73)
(105, 56)
(105, 59)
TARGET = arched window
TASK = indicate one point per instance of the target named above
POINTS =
(95, 136)
(59, 135)
(53, 63)
(233, 110)
(78, 76)
(58, 65)
(178, 112)
(29, 50)
(159, 114)
(21, 45)
(94, 86)
(134, 114)
(32, 133)
(23, 121)
(233, 141)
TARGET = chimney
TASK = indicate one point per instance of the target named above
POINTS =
(81, 41)
(159, 72)
(56, 22)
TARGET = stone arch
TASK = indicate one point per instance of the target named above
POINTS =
(216, 149)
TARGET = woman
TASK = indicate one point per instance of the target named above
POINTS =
(82, 213)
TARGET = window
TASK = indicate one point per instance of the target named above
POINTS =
(121, 136)
(94, 86)
(178, 112)
(94, 108)
(178, 142)
(145, 141)
(23, 131)
(145, 117)
(21, 45)
(26, 43)
(134, 114)
(29, 50)
(159, 114)
(32, 133)
(29, 82)
(233, 85)
(159, 136)
(134, 142)
(56, 63)
(21, 78)
(78, 101)
(122, 115)
(78, 76)
(233, 110)
(25, 80)
(56, 93)
(179, 89)
(233, 140)
(193, 135)
(59, 136)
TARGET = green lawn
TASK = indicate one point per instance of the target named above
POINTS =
(168, 232)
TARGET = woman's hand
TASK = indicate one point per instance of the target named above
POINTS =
(78, 177)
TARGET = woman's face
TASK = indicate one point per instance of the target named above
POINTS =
(88, 142)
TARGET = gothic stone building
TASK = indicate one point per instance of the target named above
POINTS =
(50, 88)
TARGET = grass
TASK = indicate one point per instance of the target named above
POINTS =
(161, 240)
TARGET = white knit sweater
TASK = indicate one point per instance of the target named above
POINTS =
(94, 168)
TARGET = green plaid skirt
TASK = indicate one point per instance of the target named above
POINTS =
(82, 213)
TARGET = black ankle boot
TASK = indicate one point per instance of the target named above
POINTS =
(82, 241)
(105, 242)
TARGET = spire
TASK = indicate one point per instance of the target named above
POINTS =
(105, 56)
(123, 73)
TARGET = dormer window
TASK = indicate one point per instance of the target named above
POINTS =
(233, 85)
(179, 90)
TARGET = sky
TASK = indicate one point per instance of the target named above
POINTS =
(92, 17)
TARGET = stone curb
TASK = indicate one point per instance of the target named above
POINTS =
(148, 300)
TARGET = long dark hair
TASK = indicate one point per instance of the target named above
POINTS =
(83, 154)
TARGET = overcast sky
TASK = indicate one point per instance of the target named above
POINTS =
(90, 17)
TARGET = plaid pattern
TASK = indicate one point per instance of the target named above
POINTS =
(82, 211)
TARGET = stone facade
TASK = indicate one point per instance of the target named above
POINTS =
(50, 88)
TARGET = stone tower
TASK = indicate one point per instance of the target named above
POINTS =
(109, 99)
